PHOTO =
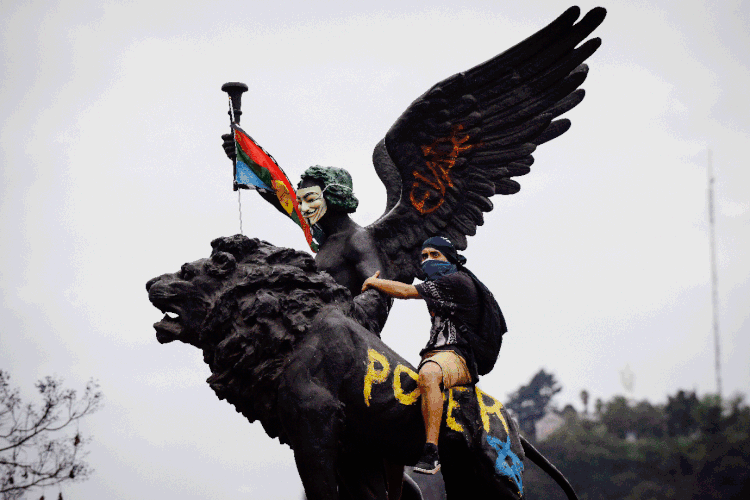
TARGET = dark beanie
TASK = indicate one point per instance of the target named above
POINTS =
(445, 247)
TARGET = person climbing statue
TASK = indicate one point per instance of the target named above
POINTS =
(465, 337)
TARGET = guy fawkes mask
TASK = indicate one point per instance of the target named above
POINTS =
(312, 204)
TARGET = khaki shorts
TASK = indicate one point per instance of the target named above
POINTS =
(453, 366)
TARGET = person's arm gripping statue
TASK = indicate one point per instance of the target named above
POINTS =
(394, 289)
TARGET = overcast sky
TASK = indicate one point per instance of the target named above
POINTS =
(112, 173)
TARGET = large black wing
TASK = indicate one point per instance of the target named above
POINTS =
(466, 138)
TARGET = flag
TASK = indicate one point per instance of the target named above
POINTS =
(256, 169)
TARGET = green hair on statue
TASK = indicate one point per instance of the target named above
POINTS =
(336, 184)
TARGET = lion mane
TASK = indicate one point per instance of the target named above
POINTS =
(265, 308)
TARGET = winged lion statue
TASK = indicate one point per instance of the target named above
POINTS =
(463, 141)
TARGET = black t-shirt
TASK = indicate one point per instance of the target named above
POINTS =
(453, 303)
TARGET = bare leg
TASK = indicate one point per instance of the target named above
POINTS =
(430, 380)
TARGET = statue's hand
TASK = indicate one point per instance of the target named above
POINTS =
(228, 146)
(370, 282)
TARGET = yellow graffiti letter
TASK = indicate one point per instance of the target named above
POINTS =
(485, 410)
(373, 375)
(450, 421)
(404, 399)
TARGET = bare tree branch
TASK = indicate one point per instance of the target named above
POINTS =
(36, 449)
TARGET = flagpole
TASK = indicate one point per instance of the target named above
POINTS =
(234, 90)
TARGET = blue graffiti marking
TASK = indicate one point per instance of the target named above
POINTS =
(515, 469)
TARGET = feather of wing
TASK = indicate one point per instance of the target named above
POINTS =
(555, 129)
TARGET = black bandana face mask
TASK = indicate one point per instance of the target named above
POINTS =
(437, 268)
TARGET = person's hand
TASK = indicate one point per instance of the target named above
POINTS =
(370, 282)
(228, 146)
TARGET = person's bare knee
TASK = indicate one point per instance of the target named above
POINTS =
(430, 376)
